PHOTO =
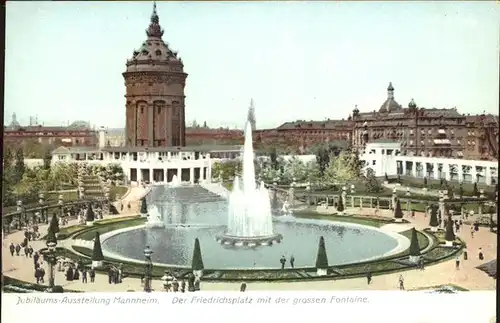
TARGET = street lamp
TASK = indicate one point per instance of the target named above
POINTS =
(352, 188)
(51, 260)
(41, 201)
(20, 211)
(60, 203)
(148, 269)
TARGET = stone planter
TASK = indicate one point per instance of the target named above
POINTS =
(448, 244)
(89, 223)
(97, 263)
(198, 273)
(424, 189)
(414, 259)
(321, 272)
(434, 229)
(386, 182)
(398, 220)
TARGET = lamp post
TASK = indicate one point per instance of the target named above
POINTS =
(148, 268)
(352, 188)
(50, 257)
(41, 201)
(20, 211)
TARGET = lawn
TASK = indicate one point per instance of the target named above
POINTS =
(104, 227)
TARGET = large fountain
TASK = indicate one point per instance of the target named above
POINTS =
(250, 221)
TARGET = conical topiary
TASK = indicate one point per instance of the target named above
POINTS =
(340, 204)
(321, 258)
(90, 216)
(97, 251)
(449, 235)
(197, 262)
(51, 237)
(144, 206)
(414, 245)
(54, 224)
(398, 214)
(434, 218)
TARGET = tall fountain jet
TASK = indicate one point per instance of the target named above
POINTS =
(250, 221)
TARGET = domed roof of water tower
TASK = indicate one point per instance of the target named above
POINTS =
(154, 54)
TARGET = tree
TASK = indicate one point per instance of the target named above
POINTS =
(47, 159)
(398, 214)
(19, 166)
(414, 245)
(97, 254)
(322, 258)
(449, 235)
(372, 184)
(340, 204)
(197, 261)
(339, 170)
(475, 191)
(434, 219)
(90, 216)
(51, 237)
(274, 158)
(7, 177)
(144, 206)
(54, 224)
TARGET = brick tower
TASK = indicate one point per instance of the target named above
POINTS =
(155, 81)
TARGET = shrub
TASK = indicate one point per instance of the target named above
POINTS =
(398, 214)
(321, 258)
(449, 235)
(340, 204)
(97, 250)
(197, 262)
(434, 219)
(414, 245)
(144, 206)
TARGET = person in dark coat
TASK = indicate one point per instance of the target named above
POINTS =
(481, 255)
(243, 287)
(183, 286)
(36, 256)
(69, 274)
(465, 255)
(191, 282)
(175, 285)
(92, 275)
(197, 283)
(110, 276)
(37, 275)
(369, 278)
(283, 261)
(42, 274)
(18, 249)
(76, 274)
(84, 275)
(12, 249)
(26, 251)
(292, 261)
(25, 242)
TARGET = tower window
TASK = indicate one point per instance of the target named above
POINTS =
(142, 110)
(158, 52)
(159, 110)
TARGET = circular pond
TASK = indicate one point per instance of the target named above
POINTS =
(173, 245)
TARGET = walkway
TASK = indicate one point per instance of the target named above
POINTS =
(21, 268)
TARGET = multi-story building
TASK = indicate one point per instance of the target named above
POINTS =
(79, 133)
(428, 132)
(155, 80)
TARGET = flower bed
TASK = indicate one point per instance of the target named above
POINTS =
(108, 225)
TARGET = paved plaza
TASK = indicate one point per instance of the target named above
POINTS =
(21, 267)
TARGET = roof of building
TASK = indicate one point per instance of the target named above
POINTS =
(74, 150)
(383, 141)
(154, 52)
(201, 148)
(327, 124)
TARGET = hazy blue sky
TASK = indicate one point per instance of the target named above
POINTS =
(297, 60)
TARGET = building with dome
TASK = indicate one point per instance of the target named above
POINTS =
(155, 81)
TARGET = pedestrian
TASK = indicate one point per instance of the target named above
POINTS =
(457, 263)
(42, 274)
(12, 249)
(401, 282)
(292, 261)
(37, 275)
(369, 278)
(92, 275)
(175, 285)
(18, 249)
(183, 286)
(481, 256)
(465, 254)
(84, 275)
(243, 287)
(26, 251)
(413, 214)
(110, 276)
(472, 232)
(283, 261)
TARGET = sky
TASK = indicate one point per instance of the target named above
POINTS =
(297, 60)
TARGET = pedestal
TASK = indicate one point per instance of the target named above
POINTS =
(89, 223)
(321, 272)
(398, 220)
(448, 244)
(198, 273)
(434, 229)
(414, 259)
(97, 263)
